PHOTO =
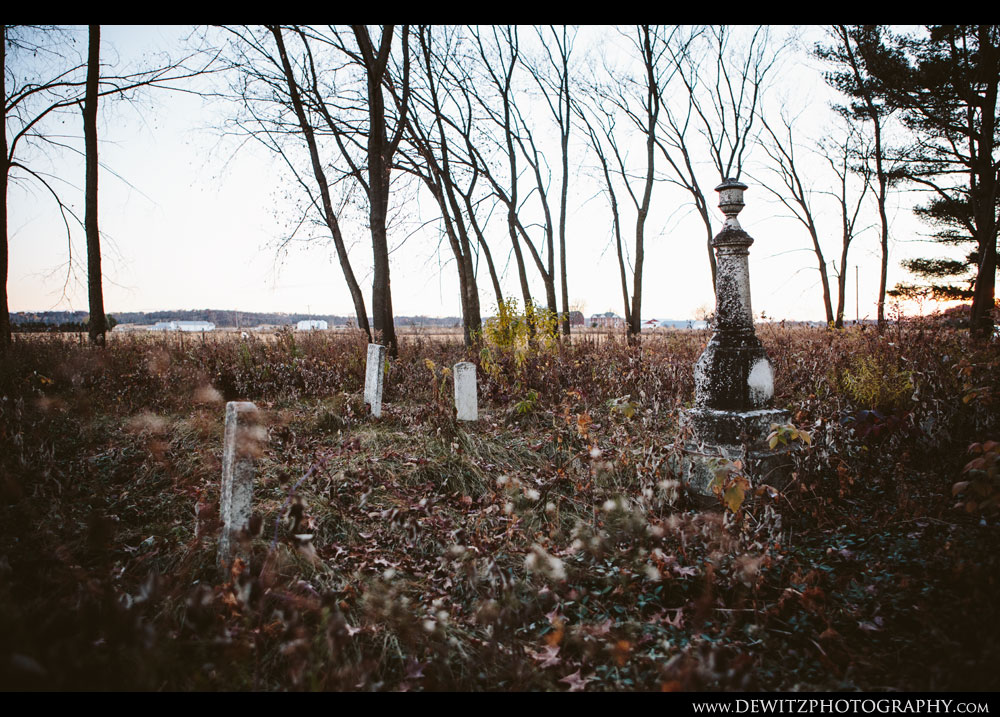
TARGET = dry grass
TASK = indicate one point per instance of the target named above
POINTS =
(547, 547)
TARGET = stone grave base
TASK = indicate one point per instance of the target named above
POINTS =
(723, 435)
(733, 428)
(761, 466)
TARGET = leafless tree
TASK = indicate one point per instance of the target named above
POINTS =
(53, 84)
(849, 157)
(716, 116)
(601, 140)
(305, 126)
(796, 195)
(497, 54)
(95, 288)
(382, 145)
(48, 84)
(338, 89)
(368, 130)
(551, 74)
(436, 163)
(637, 98)
(854, 81)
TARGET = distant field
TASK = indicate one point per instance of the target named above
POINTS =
(405, 334)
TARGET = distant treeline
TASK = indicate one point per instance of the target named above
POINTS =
(77, 320)
(59, 321)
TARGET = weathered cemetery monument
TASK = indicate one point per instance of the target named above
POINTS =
(374, 375)
(466, 399)
(239, 449)
(734, 380)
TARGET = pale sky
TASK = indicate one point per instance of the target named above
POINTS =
(201, 223)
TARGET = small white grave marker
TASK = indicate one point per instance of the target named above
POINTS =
(374, 373)
(466, 399)
(239, 448)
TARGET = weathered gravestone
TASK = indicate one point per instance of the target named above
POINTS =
(241, 446)
(734, 380)
(466, 399)
(374, 374)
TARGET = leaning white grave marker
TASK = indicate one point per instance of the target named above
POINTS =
(374, 373)
(239, 448)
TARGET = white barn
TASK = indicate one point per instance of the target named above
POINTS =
(312, 325)
(182, 326)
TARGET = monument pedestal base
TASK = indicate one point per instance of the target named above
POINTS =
(729, 436)
(733, 428)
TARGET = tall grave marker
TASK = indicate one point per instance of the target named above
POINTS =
(734, 379)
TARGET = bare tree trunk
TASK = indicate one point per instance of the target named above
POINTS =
(458, 237)
(522, 275)
(98, 322)
(984, 206)
(848, 219)
(436, 172)
(711, 249)
(378, 182)
(595, 144)
(635, 323)
(473, 319)
(5, 338)
(565, 126)
(652, 113)
(647, 96)
(883, 218)
(381, 288)
(324, 187)
(782, 153)
(984, 296)
(380, 152)
(506, 119)
(491, 267)
(562, 226)
(875, 115)
(823, 276)
(838, 322)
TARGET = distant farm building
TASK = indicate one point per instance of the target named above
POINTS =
(607, 320)
(576, 318)
(182, 326)
(312, 325)
(683, 324)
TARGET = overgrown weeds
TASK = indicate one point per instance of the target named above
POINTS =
(548, 546)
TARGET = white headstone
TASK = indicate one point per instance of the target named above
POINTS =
(374, 373)
(466, 399)
(242, 436)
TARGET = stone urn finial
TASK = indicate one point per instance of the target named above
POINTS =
(731, 201)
